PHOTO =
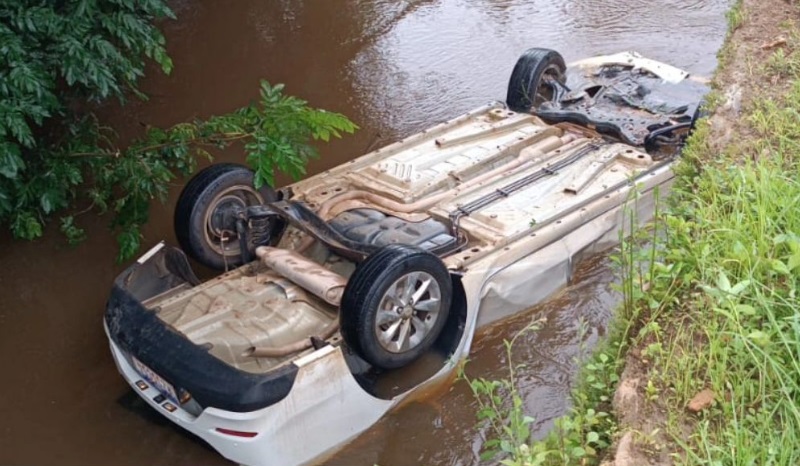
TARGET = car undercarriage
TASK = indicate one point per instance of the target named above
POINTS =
(392, 260)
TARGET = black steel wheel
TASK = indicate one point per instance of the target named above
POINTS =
(534, 78)
(395, 305)
(204, 223)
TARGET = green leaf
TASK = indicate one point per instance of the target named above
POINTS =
(739, 287)
(723, 284)
(10, 161)
(784, 238)
(129, 241)
(45, 202)
(578, 452)
(759, 338)
(794, 260)
(486, 413)
(71, 231)
(488, 455)
(26, 226)
(780, 267)
(506, 446)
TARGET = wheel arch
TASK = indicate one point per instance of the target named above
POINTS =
(453, 330)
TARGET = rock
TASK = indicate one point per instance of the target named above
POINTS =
(625, 452)
(722, 129)
(701, 401)
(626, 398)
(733, 99)
(628, 454)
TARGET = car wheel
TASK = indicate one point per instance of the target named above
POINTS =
(395, 305)
(203, 214)
(531, 82)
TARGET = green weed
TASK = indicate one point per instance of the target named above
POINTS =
(509, 427)
(783, 64)
(747, 255)
(576, 439)
(728, 294)
(735, 16)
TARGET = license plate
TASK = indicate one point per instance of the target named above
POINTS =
(156, 380)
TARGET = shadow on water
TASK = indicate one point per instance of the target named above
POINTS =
(394, 67)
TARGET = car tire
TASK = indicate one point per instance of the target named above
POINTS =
(380, 320)
(527, 88)
(211, 189)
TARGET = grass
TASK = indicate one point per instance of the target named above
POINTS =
(710, 302)
(735, 17)
(784, 64)
(735, 327)
(735, 231)
(783, 61)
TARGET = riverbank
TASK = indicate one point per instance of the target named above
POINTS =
(702, 362)
(711, 373)
(708, 341)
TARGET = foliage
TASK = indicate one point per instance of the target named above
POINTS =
(577, 437)
(509, 426)
(54, 56)
(735, 16)
(275, 130)
(588, 428)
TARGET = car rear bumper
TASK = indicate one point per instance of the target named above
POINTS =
(140, 333)
(324, 409)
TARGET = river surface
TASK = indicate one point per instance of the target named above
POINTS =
(394, 67)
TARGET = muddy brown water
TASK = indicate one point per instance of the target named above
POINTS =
(394, 67)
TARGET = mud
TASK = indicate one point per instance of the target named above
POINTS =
(394, 68)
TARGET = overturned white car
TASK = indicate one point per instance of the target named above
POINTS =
(348, 291)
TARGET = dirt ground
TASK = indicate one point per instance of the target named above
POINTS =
(764, 28)
(759, 29)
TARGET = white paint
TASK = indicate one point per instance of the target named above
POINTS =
(666, 72)
(149, 254)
